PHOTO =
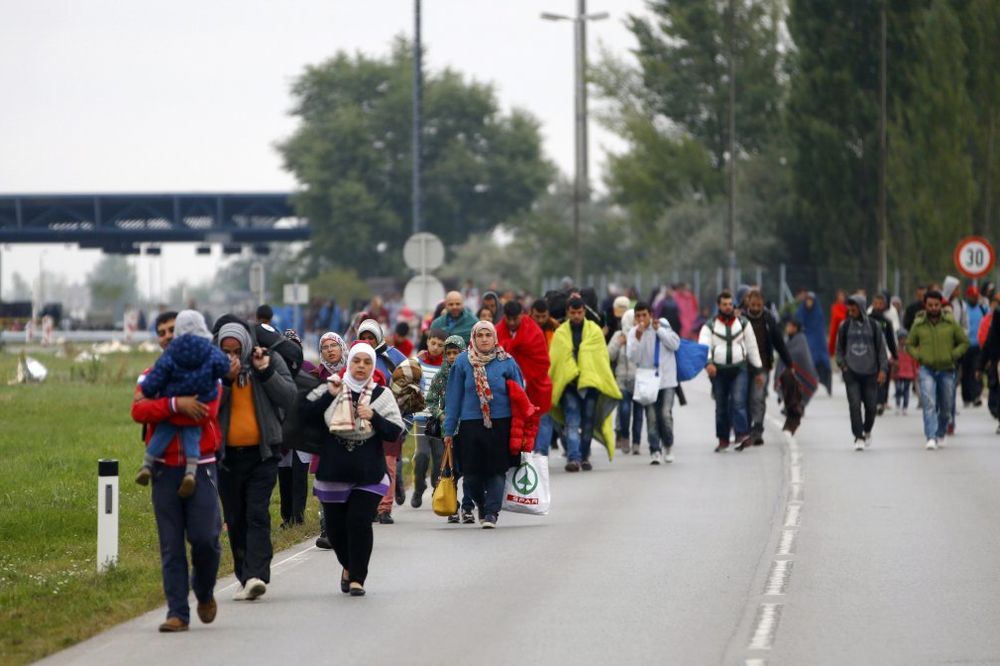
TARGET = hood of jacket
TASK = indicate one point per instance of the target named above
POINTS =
(861, 302)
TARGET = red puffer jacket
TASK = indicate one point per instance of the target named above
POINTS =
(524, 419)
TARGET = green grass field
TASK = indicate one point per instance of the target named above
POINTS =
(51, 436)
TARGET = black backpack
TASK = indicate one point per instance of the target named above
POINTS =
(267, 336)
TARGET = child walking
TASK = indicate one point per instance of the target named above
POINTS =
(190, 365)
(904, 373)
(453, 346)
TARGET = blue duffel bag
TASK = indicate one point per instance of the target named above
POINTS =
(691, 359)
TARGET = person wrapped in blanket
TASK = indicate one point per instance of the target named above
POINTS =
(797, 384)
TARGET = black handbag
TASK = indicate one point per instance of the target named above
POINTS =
(432, 428)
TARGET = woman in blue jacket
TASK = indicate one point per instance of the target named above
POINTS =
(477, 413)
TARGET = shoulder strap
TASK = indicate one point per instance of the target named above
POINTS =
(389, 363)
(656, 354)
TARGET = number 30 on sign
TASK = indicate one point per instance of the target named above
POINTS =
(974, 257)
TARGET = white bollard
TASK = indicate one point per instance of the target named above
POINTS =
(107, 514)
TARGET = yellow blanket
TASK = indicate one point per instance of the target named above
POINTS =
(591, 369)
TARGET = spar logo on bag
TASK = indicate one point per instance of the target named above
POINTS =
(525, 482)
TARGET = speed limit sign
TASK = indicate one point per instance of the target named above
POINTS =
(974, 257)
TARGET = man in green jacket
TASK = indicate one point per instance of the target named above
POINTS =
(456, 319)
(937, 342)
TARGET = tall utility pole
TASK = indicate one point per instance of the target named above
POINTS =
(731, 162)
(418, 85)
(581, 179)
(882, 214)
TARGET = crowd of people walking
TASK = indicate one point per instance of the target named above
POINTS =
(229, 413)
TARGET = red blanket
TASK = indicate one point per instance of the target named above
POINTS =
(524, 420)
(531, 352)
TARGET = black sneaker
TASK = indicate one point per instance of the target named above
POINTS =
(572, 466)
(586, 466)
(385, 518)
(453, 519)
(400, 494)
(468, 518)
(417, 500)
(323, 542)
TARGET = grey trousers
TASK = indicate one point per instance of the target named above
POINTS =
(756, 403)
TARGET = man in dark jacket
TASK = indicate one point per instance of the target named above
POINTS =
(769, 341)
(864, 363)
(257, 391)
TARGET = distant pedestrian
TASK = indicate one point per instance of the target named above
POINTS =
(878, 313)
(584, 391)
(770, 341)
(972, 389)
(862, 358)
(456, 320)
(732, 348)
(478, 413)
(936, 342)
(430, 444)
(810, 315)
(652, 344)
(630, 413)
(352, 476)
(190, 520)
(904, 373)
(453, 346)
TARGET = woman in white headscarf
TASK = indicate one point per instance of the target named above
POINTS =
(351, 476)
(478, 412)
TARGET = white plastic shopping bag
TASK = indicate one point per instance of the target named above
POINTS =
(527, 487)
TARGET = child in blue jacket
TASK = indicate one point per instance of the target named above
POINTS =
(190, 365)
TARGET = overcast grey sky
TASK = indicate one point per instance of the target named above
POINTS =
(105, 96)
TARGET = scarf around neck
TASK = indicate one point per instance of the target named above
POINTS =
(479, 360)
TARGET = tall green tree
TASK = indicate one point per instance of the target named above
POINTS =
(352, 156)
(930, 168)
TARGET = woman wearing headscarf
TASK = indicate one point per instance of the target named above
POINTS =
(810, 315)
(332, 355)
(351, 477)
(478, 412)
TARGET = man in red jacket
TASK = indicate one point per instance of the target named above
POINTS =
(194, 519)
(522, 338)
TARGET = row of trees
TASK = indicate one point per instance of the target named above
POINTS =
(807, 148)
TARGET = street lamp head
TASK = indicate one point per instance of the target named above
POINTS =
(547, 16)
(599, 16)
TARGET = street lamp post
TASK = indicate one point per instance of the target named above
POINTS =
(581, 179)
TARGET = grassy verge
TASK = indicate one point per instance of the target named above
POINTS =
(52, 435)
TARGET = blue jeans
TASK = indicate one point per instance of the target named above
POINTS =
(629, 412)
(730, 389)
(937, 393)
(543, 441)
(580, 411)
(660, 420)
(179, 521)
(486, 491)
(164, 434)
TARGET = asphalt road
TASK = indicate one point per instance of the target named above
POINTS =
(802, 554)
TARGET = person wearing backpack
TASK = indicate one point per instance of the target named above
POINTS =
(732, 346)
(650, 347)
(862, 357)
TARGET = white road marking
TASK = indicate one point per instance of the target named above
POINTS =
(796, 493)
(787, 544)
(765, 627)
(796, 474)
(777, 582)
(755, 662)
(793, 515)
(292, 560)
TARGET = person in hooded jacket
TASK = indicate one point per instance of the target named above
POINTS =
(862, 358)
(810, 315)
(878, 314)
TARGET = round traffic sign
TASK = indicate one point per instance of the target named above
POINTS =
(423, 293)
(974, 257)
(423, 252)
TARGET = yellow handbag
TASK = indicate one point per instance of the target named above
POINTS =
(445, 500)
